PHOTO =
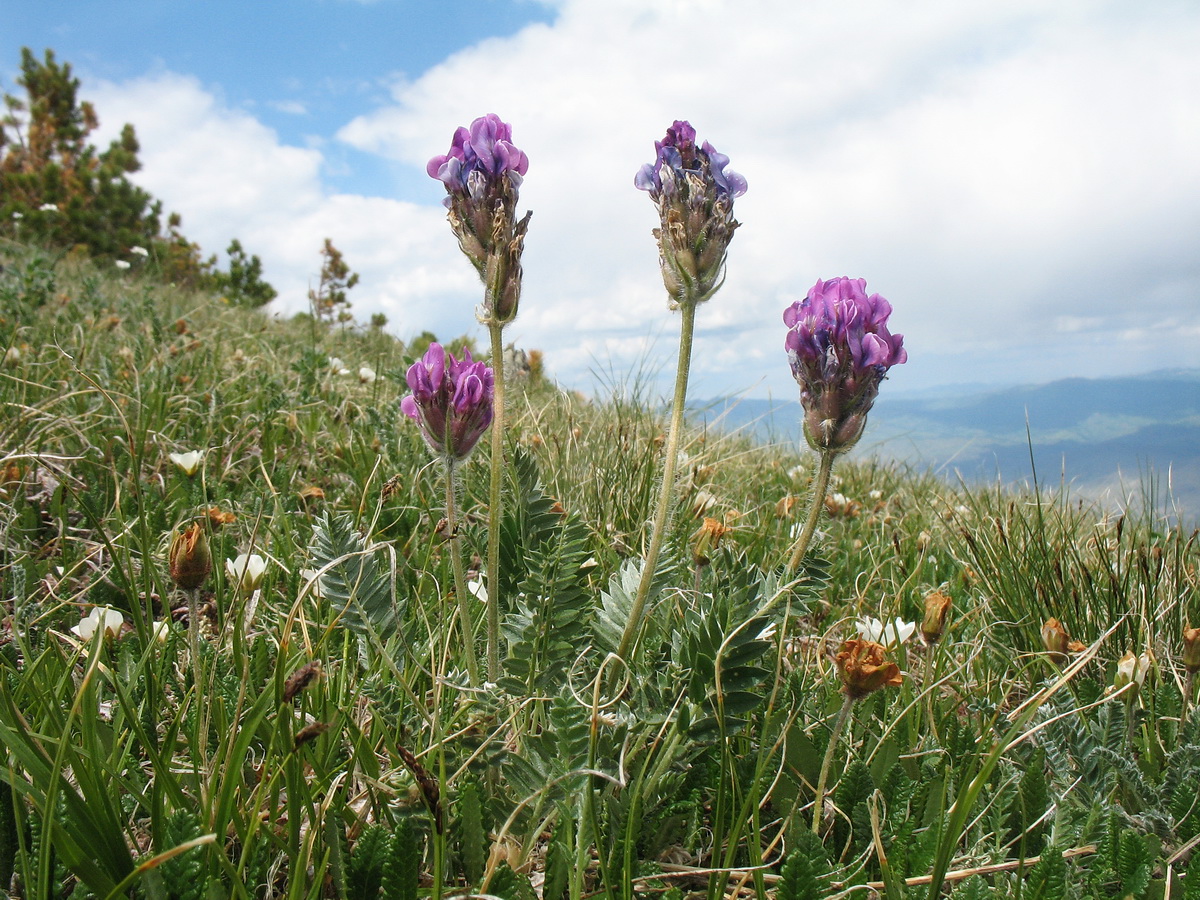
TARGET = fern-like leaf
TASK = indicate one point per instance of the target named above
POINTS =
(1048, 877)
(804, 869)
(402, 867)
(355, 579)
(547, 628)
(472, 838)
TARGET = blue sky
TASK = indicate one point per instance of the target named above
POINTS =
(1018, 178)
(303, 67)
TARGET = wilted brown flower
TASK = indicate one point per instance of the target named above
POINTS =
(783, 509)
(937, 608)
(188, 559)
(864, 670)
(1057, 642)
(217, 517)
(839, 505)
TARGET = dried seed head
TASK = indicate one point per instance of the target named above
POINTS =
(300, 680)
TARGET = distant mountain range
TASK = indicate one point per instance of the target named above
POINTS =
(1107, 439)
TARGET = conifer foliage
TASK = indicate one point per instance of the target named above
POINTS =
(328, 299)
(58, 190)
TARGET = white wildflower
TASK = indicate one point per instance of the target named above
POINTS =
(871, 629)
(189, 462)
(367, 375)
(122, 264)
(139, 251)
(245, 571)
(104, 617)
(49, 207)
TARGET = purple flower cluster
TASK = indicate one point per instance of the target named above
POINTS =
(840, 349)
(482, 174)
(451, 400)
(694, 193)
(478, 157)
(678, 152)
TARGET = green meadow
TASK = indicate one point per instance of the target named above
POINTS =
(315, 732)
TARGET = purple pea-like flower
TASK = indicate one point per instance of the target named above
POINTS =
(840, 349)
(482, 174)
(451, 401)
(694, 193)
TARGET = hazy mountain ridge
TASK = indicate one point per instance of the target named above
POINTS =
(1106, 438)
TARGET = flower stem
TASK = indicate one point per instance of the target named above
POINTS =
(193, 596)
(633, 625)
(823, 778)
(1189, 684)
(466, 620)
(495, 330)
(820, 487)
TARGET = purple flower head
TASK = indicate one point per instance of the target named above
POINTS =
(694, 193)
(678, 152)
(840, 349)
(483, 153)
(451, 400)
(482, 174)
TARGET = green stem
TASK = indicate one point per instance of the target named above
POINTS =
(193, 596)
(466, 620)
(823, 778)
(820, 487)
(657, 535)
(1188, 686)
(495, 329)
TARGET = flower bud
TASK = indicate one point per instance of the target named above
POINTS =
(1132, 670)
(1191, 650)
(189, 560)
(937, 608)
(707, 539)
(863, 669)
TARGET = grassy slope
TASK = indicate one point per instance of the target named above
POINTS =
(111, 373)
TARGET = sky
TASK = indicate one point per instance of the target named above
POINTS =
(1020, 179)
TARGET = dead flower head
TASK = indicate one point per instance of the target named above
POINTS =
(864, 670)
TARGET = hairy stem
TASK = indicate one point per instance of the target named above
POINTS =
(820, 487)
(466, 620)
(823, 778)
(658, 532)
(495, 330)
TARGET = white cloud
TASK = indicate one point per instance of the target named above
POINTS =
(1017, 177)
(229, 176)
